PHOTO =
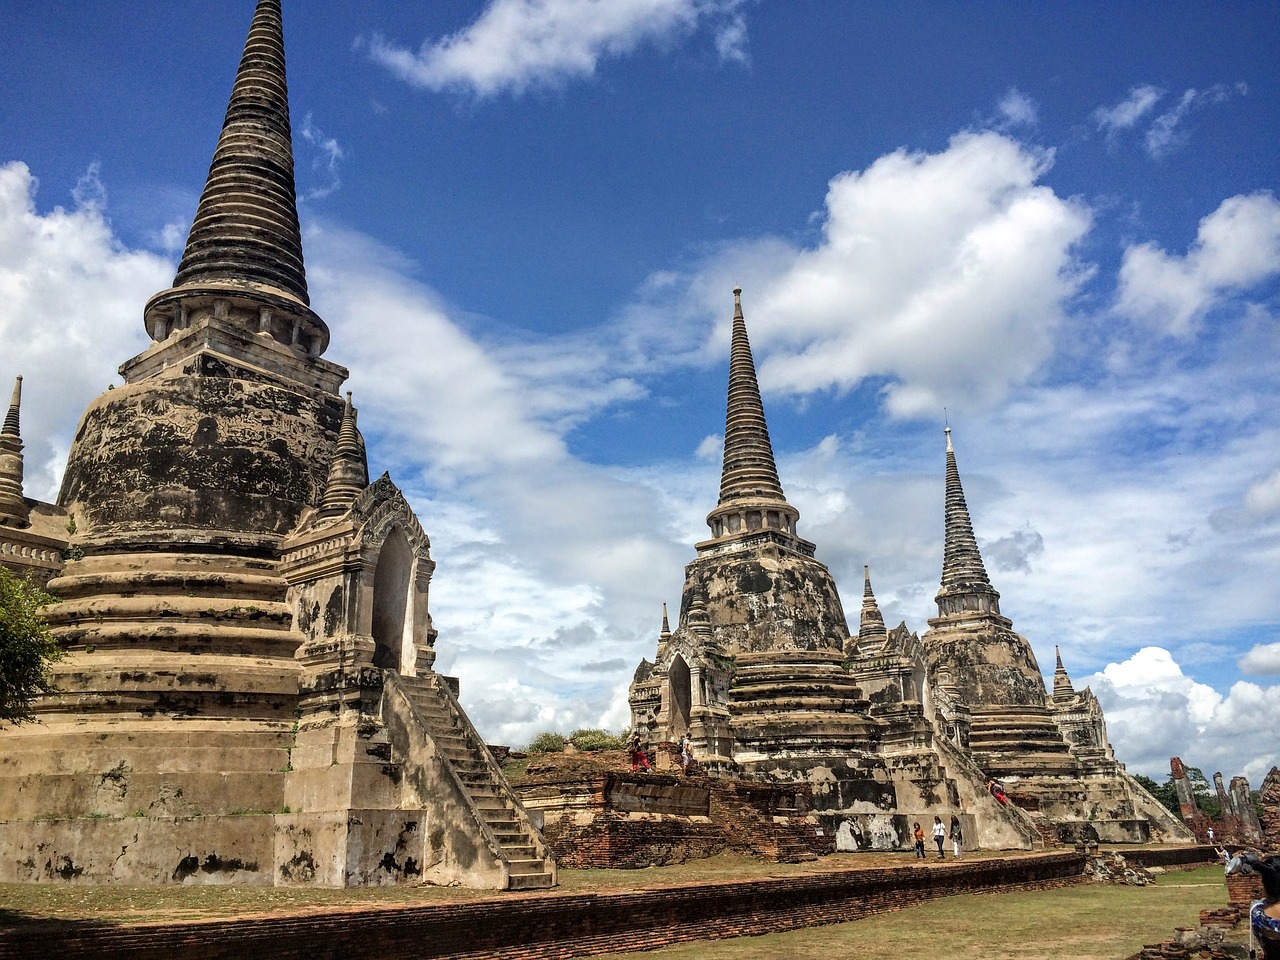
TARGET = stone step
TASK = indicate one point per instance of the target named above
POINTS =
(531, 881)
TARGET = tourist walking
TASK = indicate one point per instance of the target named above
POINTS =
(957, 837)
(686, 752)
(638, 756)
(919, 841)
(1264, 914)
(939, 835)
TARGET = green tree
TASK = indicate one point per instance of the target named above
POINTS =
(26, 647)
(1165, 792)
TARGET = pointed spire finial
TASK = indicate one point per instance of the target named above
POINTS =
(1061, 681)
(14, 510)
(245, 241)
(666, 625)
(871, 628)
(963, 573)
(11, 418)
(348, 470)
(750, 490)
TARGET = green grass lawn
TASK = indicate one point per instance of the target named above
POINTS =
(1088, 922)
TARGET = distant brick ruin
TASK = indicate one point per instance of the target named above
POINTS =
(1238, 822)
(885, 727)
(248, 694)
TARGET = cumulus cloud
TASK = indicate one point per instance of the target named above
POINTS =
(70, 310)
(1154, 711)
(1125, 114)
(1262, 660)
(1236, 247)
(928, 265)
(515, 45)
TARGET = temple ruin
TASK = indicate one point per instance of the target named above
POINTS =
(885, 727)
(249, 693)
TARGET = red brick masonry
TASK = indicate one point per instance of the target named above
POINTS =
(545, 926)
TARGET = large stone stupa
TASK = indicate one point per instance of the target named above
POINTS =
(248, 693)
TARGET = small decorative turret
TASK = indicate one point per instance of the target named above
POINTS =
(751, 497)
(871, 629)
(1061, 682)
(664, 637)
(965, 586)
(697, 619)
(348, 470)
(14, 511)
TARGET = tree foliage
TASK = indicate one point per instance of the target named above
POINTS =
(26, 647)
(1165, 792)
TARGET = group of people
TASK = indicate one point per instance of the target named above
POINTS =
(940, 835)
(640, 757)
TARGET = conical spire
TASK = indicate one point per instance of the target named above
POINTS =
(12, 417)
(666, 625)
(749, 484)
(348, 470)
(871, 628)
(245, 238)
(13, 506)
(963, 574)
(1061, 682)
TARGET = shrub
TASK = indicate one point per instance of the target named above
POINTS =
(546, 742)
(593, 739)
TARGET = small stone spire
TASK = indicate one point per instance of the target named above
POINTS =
(963, 574)
(245, 240)
(348, 469)
(749, 483)
(697, 619)
(871, 628)
(1061, 681)
(666, 625)
(14, 511)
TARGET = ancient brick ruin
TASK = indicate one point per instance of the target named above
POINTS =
(885, 727)
(1237, 823)
(249, 693)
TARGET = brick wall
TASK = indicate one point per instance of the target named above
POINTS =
(550, 925)
(1170, 857)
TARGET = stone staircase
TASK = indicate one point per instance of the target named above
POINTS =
(518, 843)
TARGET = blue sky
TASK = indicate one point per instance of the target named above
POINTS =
(523, 222)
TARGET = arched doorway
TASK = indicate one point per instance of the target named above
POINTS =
(679, 699)
(391, 599)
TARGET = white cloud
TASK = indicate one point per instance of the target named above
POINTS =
(1129, 111)
(327, 161)
(1166, 134)
(1017, 109)
(929, 265)
(1154, 712)
(518, 44)
(1262, 660)
(1236, 247)
(70, 311)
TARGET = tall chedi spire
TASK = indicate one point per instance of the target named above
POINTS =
(751, 496)
(1061, 680)
(245, 244)
(13, 506)
(965, 585)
